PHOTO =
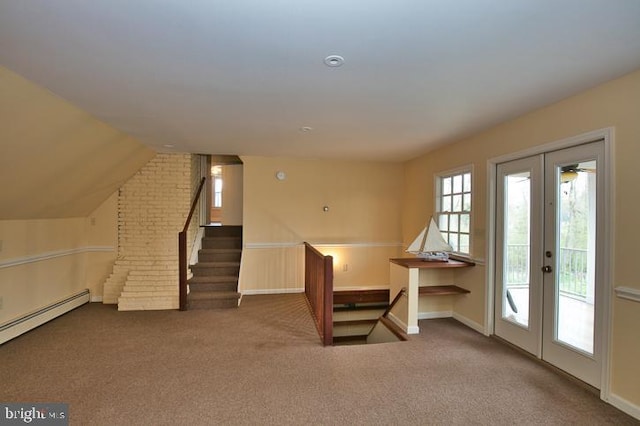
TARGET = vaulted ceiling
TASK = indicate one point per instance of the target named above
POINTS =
(247, 77)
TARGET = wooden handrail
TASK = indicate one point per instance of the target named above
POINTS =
(402, 291)
(182, 250)
(194, 203)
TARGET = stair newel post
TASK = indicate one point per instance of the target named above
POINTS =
(182, 265)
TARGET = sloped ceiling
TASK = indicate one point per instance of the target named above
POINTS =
(243, 77)
(55, 159)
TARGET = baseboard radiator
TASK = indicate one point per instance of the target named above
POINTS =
(21, 325)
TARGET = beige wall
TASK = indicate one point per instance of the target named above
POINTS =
(231, 212)
(615, 104)
(361, 229)
(60, 169)
(61, 162)
(45, 260)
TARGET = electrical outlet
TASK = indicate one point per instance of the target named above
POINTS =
(345, 268)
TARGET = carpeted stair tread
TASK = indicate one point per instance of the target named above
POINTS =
(214, 283)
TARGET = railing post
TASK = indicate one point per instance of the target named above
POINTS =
(182, 266)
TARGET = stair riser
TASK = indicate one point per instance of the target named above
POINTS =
(221, 243)
(219, 257)
(213, 304)
(352, 330)
(231, 286)
(223, 231)
(215, 271)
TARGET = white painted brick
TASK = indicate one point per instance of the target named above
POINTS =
(152, 208)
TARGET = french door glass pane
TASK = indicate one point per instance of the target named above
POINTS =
(575, 264)
(517, 249)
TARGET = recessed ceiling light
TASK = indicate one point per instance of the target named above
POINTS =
(306, 129)
(334, 61)
(168, 145)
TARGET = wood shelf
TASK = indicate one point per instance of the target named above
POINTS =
(413, 262)
(441, 290)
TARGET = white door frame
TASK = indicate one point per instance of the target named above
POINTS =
(607, 135)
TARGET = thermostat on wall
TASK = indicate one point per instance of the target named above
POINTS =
(280, 175)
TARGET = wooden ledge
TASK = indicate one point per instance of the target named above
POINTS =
(414, 262)
(441, 290)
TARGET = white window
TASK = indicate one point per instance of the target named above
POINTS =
(453, 209)
(216, 174)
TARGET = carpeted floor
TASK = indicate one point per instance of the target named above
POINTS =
(263, 364)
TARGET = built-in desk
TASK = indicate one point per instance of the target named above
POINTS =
(417, 276)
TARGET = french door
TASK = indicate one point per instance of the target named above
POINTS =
(549, 276)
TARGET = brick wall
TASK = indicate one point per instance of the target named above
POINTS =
(152, 209)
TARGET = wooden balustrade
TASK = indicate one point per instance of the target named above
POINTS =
(318, 288)
(182, 251)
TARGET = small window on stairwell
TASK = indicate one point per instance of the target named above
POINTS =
(216, 175)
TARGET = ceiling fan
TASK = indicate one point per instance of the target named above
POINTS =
(570, 172)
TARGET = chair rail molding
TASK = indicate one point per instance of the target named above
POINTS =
(628, 293)
(39, 257)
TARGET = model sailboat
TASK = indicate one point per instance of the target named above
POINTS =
(429, 245)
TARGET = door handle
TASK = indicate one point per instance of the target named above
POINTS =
(547, 269)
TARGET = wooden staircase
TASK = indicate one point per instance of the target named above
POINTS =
(355, 313)
(214, 283)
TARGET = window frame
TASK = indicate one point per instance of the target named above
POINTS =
(439, 195)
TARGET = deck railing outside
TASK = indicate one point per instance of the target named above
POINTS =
(572, 269)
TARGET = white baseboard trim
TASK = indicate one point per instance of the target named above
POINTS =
(623, 405)
(24, 323)
(434, 315)
(450, 314)
(96, 299)
(469, 323)
(273, 291)
(397, 321)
